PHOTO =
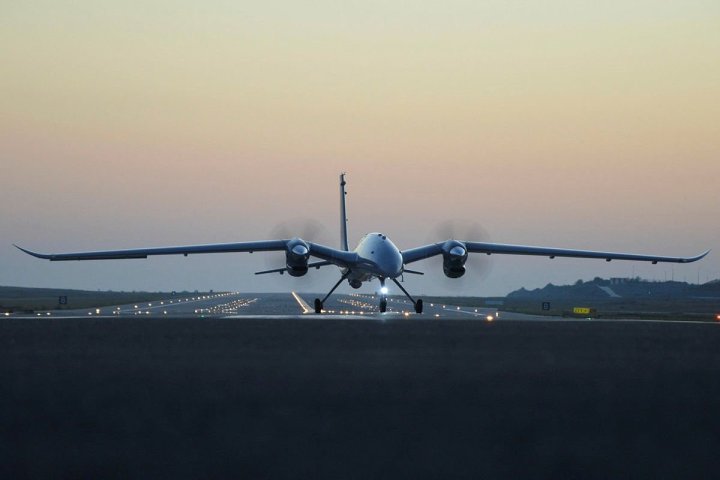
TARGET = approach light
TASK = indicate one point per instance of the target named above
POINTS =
(383, 290)
(489, 318)
(717, 317)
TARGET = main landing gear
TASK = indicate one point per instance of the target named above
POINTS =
(320, 303)
(418, 304)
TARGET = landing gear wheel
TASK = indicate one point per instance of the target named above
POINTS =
(383, 305)
(318, 305)
(418, 306)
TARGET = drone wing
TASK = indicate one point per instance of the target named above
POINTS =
(328, 254)
(427, 251)
(261, 246)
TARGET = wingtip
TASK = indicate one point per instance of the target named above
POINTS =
(698, 257)
(37, 255)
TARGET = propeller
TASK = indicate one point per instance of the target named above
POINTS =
(308, 229)
(305, 228)
(478, 265)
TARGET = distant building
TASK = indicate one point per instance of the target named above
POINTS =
(618, 280)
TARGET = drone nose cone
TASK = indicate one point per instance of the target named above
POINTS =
(392, 267)
(300, 250)
(457, 251)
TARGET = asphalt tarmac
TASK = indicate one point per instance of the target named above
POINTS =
(358, 396)
(232, 304)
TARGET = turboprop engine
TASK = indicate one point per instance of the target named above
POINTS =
(296, 257)
(454, 257)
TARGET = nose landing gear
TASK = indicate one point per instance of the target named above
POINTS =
(383, 297)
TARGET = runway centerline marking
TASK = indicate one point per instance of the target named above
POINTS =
(303, 304)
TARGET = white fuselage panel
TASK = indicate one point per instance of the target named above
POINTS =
(379, 257)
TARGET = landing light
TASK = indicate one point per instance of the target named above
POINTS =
(717, 317)
(383, 290)
(489, 318)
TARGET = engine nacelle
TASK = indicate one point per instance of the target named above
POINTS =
(296, 257)
(454, 257)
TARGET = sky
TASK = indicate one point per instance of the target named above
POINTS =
(560, 123)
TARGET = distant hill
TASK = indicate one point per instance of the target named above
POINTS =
(622, 298)
(620, 288)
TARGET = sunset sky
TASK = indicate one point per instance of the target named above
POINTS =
(576, 124)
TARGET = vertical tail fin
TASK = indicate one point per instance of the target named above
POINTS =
(343, 215)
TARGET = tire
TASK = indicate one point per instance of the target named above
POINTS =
(318, 305)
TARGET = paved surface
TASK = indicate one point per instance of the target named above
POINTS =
(269, 304)
(375, 397)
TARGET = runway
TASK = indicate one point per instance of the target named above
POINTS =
(292, 304)
(355, 396)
